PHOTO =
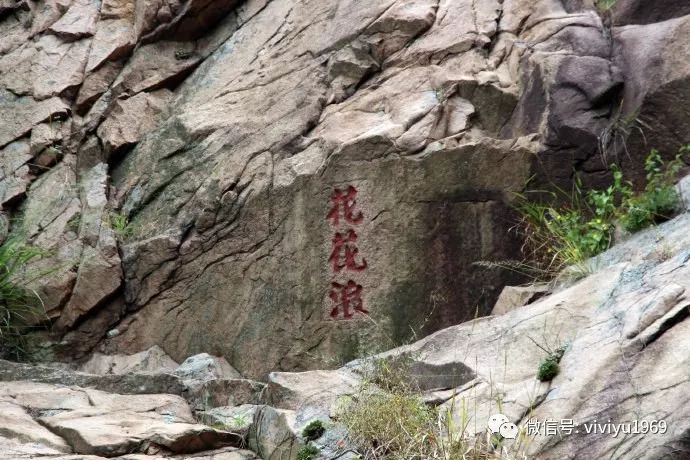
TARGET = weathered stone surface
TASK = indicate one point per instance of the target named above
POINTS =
(58, 66)
(657, 87)
(157, 65)
(122, 384)
(45, 68)
(513, 297)
(114, 39)
(130, 119)
(203, 395)
(273, 434)
(51, 216)
(235, 122)
(640, 12)
(79, 21)
(19, 114)
(192, 18)
(683, 189)
(290, 390)
(44, 135)
(4, 227)
(15, 175)
(388, 207)
(16, 423)
(97, 83)
(203, 367)
(19, 450)
(94, 422)
(107, 433)
(238, 419)
(153, 360)
(100, 272)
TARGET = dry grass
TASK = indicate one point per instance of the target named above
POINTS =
(387, 419)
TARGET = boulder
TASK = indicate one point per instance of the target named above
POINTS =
(238, 419)
(203, 395)
(110, 434)
(18, 425)
(274, 434)
(205, 367)
(92, 422)
(154, 361)
(122, 384)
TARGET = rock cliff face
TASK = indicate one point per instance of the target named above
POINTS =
(286, 182)
(624, 336)
(622, 391)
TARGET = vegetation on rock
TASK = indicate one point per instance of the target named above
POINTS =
(20, 307)
(308, 452)
(314, 430)
(660, 200)
(548, 369)
(120, 225)
(566, 235)
(387, 418)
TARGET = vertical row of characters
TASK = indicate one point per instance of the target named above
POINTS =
(345, 294)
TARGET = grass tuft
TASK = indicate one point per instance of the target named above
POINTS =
(121, 225)
(308, 452)
(20, 307)
(387, 418)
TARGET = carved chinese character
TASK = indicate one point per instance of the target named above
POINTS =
(344, 203)
(344, 253)
(348, 298)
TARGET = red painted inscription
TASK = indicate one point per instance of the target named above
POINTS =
(346, 296)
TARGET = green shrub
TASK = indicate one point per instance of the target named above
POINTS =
(660, 200)
(20, 307)
(308, 452)
(560, 236)
(566, 236)
(548, 369)
(314, 430)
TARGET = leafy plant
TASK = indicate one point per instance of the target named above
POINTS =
(549, 367)
(120, 225)
(314, 430)
(567, 235)
(605, 5)
(239, 420)
(660, 200)
(308, 452)
(20, 307)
